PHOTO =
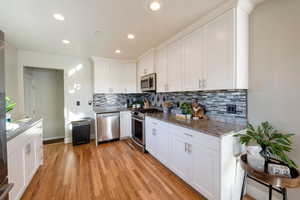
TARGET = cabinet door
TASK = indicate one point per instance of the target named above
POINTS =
(29, 156)
(161, 70)
(174, 63)
(151, 138)
(181, 158)
(101, 76)
(219, 53)
(193, 61)
(16, 173)
(162, 144)
(146, 63)
(205, 178)
(125, 124)
(128, 77)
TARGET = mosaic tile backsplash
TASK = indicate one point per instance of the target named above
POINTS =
(214, 102)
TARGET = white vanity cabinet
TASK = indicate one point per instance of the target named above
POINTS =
(205, 162)
(24, 155)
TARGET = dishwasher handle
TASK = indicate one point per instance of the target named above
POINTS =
(109, 114)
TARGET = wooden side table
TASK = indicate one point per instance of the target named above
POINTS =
(276, 183)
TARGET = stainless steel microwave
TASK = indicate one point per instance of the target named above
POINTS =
(148, 83)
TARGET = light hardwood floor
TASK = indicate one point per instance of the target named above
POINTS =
(111, 171)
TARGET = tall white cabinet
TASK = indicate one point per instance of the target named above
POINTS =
(114, 76)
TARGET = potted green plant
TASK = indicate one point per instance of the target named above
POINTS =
(9, 106)
(186, 110)
(273, 143)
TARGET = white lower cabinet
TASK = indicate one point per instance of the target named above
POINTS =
(205, 162)
(125, 124)
(181, 158)
(205, 170)
(24, 155)
(157, 141)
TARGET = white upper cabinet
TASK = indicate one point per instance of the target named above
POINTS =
(145, 66)
(193, 61)
(219, 53)
(146, 63)
(114, 76)
(101, 76)
(213, 57)
(161, 70)
(174, 66)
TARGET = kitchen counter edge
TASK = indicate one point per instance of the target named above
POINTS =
(24, 126)
(209, 127)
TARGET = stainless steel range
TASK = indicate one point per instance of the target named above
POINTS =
(138, 126)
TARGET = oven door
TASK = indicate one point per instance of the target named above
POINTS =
(138, 131)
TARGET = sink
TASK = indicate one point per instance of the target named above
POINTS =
(11, 126)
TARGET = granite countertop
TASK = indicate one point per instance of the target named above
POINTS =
(110, 109)
(210, 127)
(23, 126)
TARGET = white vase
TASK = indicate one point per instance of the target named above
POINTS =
(188, 116)
(255, 160)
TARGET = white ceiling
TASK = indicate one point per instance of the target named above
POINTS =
(29, 24)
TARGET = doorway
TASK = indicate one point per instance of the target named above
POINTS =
(44, 98)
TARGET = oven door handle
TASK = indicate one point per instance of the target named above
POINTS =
(140, 120)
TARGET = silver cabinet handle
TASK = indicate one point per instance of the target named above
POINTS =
(189, 148)
(204, 83)
(189, 135)
(199, 83)
(5, 189)
(154, 132)
(28, 148)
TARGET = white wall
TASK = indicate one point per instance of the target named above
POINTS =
(11, 78)
(77, 82)
(274, 93)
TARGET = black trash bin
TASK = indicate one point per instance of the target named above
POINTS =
(81, 131)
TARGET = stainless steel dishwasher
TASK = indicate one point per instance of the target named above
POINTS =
(108, 126)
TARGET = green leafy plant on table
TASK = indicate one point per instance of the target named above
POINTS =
(273, 143)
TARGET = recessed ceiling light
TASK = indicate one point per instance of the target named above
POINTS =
(131, 36)
(66, 41)
(117, 51)
(58, 17)
(154, 6)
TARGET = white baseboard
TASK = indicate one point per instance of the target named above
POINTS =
(53, 138)
(68, 140)
(258, 194)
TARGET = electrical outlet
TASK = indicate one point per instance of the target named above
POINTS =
(231, 108)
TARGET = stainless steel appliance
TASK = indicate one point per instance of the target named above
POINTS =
(138, 127)
(108, 126)
(148, 83)
(5, 187)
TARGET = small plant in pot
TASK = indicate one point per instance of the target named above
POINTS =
(9, 106)
(273, 143)
(186, 110)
